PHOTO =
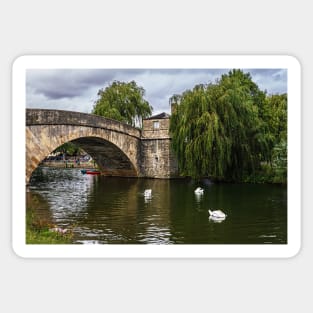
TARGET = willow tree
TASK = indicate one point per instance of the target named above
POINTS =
(216, 129)
(275, 114)
(123, 102)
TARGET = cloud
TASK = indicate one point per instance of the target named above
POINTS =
(274, 81)
(60, 84)
(76, 89)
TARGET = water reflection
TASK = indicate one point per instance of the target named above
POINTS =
(116, 210)
(198, 197)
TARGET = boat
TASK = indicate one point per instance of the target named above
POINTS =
(93, 172)
(83, 171)
(199, 191)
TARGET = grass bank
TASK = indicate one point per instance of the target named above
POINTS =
(39, 231)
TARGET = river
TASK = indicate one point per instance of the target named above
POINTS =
(102, 210)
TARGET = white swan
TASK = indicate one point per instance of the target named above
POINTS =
(199, 191)
(148, 193)
(217, 214)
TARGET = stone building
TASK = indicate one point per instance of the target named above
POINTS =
(158, 159)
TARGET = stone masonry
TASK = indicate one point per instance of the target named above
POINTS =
(158, 160)
(117, 148)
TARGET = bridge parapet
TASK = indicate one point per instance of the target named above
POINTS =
(62, 117)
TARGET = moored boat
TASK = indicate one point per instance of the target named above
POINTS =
(93, 172)
(90, 171)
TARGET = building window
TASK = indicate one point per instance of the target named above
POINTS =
(156, 125)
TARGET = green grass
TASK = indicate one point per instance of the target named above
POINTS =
(39, 231)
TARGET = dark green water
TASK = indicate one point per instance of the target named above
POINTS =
(114, 210)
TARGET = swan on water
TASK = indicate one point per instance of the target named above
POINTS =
(199, 191)
(148, 192)
(217, 214)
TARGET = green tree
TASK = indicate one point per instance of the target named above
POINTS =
(279, 162)
(216, 128)
(274, 113)
(123, 102)
(68, 148)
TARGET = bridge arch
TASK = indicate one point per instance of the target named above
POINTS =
(114, 146)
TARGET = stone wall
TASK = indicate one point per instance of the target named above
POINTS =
(149, 131)
(158, 160)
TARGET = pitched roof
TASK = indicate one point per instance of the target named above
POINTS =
(158, 116)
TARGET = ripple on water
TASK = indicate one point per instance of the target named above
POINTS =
(113, 210)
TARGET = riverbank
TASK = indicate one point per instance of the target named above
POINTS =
(68, 164)
(40, 231)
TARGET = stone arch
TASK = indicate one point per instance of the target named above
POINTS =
(110, 158)
(115, 152)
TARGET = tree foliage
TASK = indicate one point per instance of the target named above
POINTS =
(218, 129)
(279, 162)
(275, 115)
(68, 148)
(123, 102)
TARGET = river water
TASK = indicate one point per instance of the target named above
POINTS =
(105, 210)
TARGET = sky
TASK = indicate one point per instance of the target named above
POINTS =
(76, 89)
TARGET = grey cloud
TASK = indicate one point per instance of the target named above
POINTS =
(76, 89)
(272, 80)
(59, 84)
(64, 83)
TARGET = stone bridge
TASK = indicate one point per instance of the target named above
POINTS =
(117, 148)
